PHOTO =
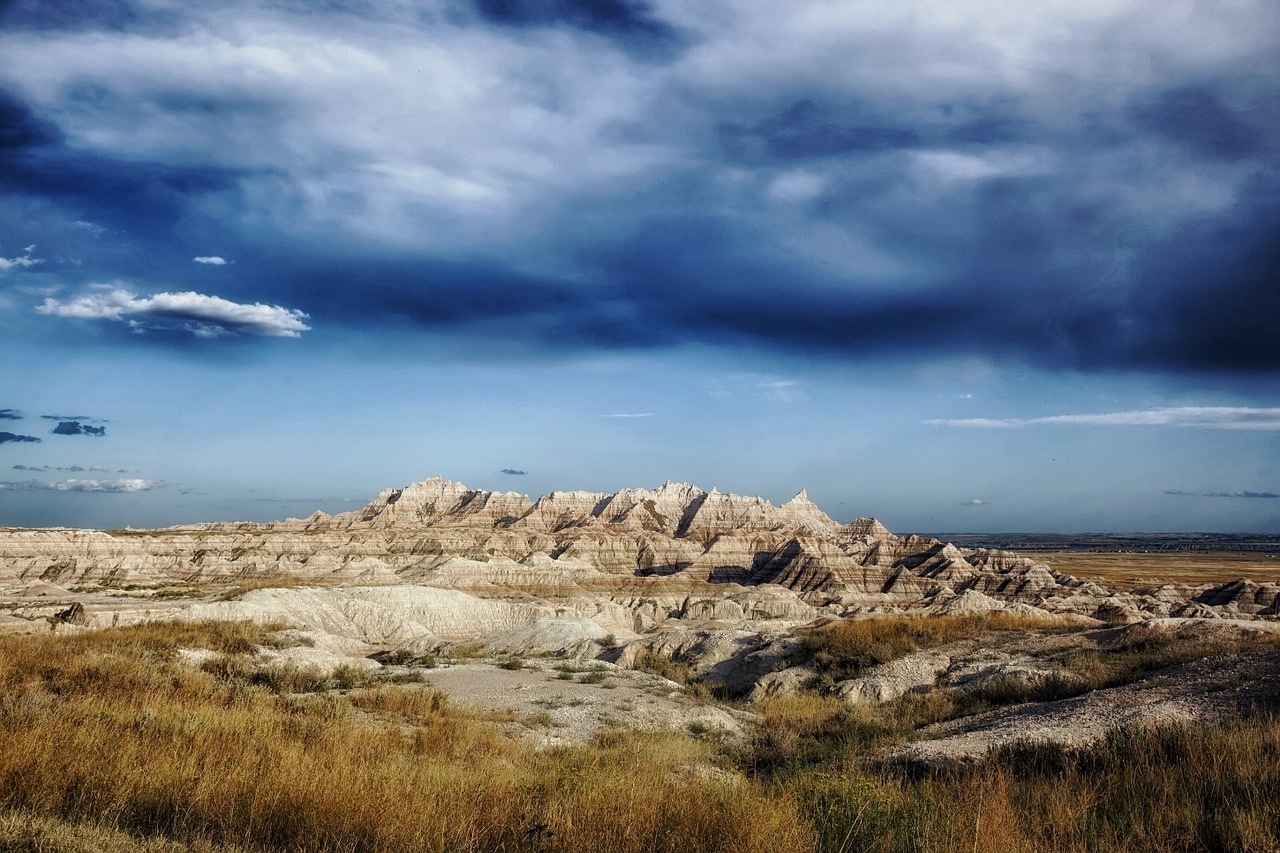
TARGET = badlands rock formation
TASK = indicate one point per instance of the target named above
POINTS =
(631, 560)
(694, 584)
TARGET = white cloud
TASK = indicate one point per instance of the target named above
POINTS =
(798, 185)
(204, 316)
(210, 259)
(781, 390)
(975, 502)
(1203, 417)
(120, 486)
(445, 133)
(950, 167)
(23, 261)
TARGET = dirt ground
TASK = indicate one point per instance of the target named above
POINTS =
(572, 704)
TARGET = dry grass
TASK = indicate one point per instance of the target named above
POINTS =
(1128, 571)
(662, 665)
(278, 582)
(1176, 788)
(106, 729)
(28, 832)
(1141, 651)
(846, 648)
(108, 743)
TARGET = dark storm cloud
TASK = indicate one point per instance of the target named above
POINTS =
(1194, 117)
(71, 15)
(514, 472)
(10, 415)
(78, 428)
(435, 295)
(1210, 299)
(833, 196)
(630, 23)
(6, 437)
(96, 193)
(804, 130)
(20, 129)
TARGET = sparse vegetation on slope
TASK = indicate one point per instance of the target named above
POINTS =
(846, 648)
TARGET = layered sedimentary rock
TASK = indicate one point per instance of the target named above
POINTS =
(635, 558)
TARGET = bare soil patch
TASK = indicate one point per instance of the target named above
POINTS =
(577, 701)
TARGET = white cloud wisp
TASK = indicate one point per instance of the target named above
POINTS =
(202, 315)
(121, 486)
(1203, 417)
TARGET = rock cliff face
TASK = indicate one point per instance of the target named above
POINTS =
(677, 552)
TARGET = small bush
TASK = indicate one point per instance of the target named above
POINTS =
(660, 664)
(847, 811)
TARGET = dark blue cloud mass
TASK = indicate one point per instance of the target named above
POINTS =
(78, 428)
(630, 24)
(72, 16)
(557, 176)
(806, 130)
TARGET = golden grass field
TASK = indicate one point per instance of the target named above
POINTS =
(108, 741)
(1128, 570)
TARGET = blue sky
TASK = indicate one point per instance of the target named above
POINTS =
(964, 266)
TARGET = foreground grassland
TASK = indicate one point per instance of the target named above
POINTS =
(109, 741)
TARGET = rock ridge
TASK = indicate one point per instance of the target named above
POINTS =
(636, 550)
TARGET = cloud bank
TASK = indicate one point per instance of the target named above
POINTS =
(1084, 187)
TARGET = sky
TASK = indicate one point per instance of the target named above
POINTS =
(962, 265)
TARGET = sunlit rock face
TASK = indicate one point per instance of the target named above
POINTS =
(641, 556)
